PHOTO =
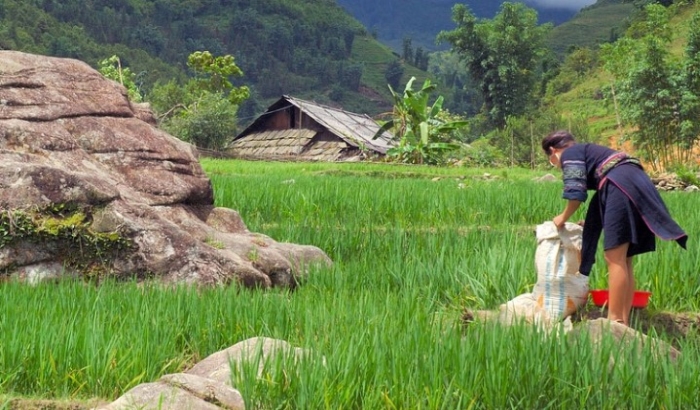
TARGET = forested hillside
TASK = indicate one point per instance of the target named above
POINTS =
(422, 20)
(312, 49)
(315, 50)
(655, 75)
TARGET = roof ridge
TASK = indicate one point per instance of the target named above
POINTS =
(289, 97)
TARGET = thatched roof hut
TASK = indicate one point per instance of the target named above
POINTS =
(295, 129)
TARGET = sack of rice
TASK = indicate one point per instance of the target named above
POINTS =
(560, 289)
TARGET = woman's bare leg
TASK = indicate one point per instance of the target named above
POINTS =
(620, 284)
(630, 290)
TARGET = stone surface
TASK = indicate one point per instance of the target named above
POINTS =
(69, 136)
(598, 329)
(548, 178)
(160, 396)
(207, 385)
(207, 389)
(217, 366)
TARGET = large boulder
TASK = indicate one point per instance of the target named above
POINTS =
(89, 186)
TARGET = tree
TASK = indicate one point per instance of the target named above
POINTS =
(393, 73)
(210, 122)
(424, 135)
(112, 68)
(450, 71)
(168, 99)
(657, 94)
(421, 59)
(213, 74)
(576, 66)
(149, 38)
(642, 4)
(502, 56)
(204, 110)
(407, 49)
(350, 75)
(520, 139)
(690, 94)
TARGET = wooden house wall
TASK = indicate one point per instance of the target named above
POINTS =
(290, 119)
(308, 122)
(277, 121)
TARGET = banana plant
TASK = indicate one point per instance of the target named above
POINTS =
(423, 137)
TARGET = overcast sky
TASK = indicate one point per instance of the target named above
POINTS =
(562, 4)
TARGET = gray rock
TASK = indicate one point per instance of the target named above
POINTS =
(207, 385)
(598, 330)
(257, 350)
(69, 136)
(159, 396)
(209, 390)
(39, 272)
(548, 178)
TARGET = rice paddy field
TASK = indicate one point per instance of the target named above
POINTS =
(412, 248)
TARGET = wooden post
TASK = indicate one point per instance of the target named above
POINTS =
(532, 147)
(617, 111)
(512, 148)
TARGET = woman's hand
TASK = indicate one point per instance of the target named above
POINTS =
(571, 207)
(559, 221)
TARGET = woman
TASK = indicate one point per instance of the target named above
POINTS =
(626, 207)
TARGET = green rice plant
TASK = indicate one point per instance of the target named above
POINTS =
(383, 326)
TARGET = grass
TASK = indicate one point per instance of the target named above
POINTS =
(411, 250)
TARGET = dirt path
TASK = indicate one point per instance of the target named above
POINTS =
(671, 327)
(39, 404)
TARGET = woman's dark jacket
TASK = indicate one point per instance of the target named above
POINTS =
(589, 167)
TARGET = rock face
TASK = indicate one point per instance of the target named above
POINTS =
(73, 146)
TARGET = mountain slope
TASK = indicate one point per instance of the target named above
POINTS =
(422, 20)
(585, 99)
(306, 49)
(593, 25)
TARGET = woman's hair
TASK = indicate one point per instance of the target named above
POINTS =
(557, 139)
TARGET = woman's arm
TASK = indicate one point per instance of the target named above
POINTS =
(571, 207)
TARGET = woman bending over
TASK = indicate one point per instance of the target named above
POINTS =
(626, 208)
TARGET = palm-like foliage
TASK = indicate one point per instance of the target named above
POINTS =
(424, 138)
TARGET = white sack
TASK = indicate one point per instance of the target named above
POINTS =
(560, 289)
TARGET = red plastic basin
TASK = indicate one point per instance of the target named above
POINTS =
(640, 299)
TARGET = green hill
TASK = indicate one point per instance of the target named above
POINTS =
(585, 99)
(422, 20)
(602, 22)
(311, 49)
